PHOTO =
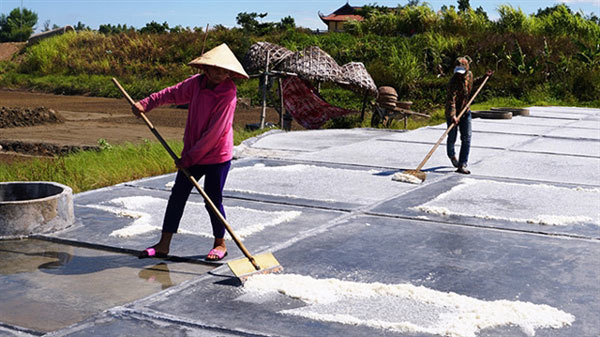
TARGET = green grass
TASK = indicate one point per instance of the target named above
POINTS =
(239, 135)
(111, 165)
(87, 170)
(84, 84)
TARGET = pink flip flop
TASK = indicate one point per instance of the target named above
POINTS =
(151, 252)
(218, 253)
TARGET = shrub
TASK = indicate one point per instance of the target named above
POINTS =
(415, 19)
(513, 20)
(560, 21)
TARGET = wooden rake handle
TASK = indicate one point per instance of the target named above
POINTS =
(185, 171)
(451, 125)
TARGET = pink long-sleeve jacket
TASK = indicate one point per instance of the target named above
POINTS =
(208, 136)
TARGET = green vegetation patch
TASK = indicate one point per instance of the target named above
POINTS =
(113, 164)
(87, 170)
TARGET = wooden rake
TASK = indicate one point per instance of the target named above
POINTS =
(420, 174)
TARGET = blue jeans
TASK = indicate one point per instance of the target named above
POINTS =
(214, 181)
(464, 126)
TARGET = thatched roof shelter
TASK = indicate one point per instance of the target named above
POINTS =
(256, 57)
(358, 77)
(311, 63)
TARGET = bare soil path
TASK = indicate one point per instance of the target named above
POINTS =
(88, 119)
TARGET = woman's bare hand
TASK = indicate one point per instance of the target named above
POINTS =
(137, 109)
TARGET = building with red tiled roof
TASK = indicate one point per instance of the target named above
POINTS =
(335, 21)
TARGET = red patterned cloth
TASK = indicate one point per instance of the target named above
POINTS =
(306, 106)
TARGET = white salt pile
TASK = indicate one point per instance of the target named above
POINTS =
(401, 307)
(539, 204)
(148, 213)
(406, 178)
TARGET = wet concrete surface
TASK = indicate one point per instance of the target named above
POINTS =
(47, 286)
(368, 232)
(122, 322)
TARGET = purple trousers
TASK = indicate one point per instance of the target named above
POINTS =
(214, 181)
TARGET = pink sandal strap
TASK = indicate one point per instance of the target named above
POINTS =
(216, 252)
(151, 251)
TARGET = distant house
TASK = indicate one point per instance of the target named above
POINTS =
(335, 21)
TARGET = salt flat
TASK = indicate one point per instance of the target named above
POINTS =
(520, 236)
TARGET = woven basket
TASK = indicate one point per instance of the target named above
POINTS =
(404, 104)
(387, 91)
(387, 97)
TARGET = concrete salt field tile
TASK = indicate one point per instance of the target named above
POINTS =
(565, 110)
(575, 133)
(117, 322)
(540, 167)
(579, 147)
(313, 140)
(312, 185)
(586, 124)
(557, 114)
(488, 265)
(131, 218)
(397, 155)
(562, 112)
(527, 120)
(478, 139)
(296, 183)
(420, 135)
(15, 332)
(479, 125)
(502, 203)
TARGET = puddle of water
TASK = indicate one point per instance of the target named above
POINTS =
(46, 286)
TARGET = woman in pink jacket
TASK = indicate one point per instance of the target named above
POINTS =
(207, 141)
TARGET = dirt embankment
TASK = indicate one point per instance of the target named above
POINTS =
(8, 49)
(17, 116)
(85, 120)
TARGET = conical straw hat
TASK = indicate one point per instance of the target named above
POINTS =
(222, 57)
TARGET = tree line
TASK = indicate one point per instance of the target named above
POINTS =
(20, 24)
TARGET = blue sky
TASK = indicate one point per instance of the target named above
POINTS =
(188, 13)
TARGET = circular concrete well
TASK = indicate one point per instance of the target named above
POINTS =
(34, 207)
